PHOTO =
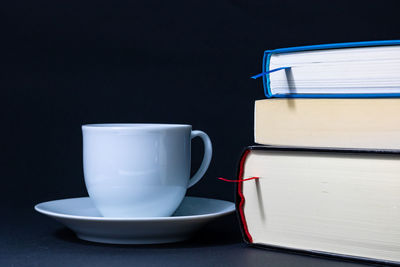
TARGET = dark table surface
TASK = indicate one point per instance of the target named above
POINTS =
(31, 239)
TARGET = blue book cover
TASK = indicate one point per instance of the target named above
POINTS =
(267, 70)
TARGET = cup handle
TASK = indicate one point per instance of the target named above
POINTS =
(206, 158)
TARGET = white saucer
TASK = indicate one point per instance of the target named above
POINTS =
(80, 215)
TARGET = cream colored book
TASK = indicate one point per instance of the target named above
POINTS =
(347, 122)
(332, 202)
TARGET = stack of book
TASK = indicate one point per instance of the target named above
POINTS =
(327, 159)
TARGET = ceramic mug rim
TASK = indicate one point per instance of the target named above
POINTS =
(133, 126)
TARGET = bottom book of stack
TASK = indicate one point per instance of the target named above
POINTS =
(342, 202)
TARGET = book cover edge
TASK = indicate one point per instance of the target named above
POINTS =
(325, 149)
(239, 198)
(324, 254)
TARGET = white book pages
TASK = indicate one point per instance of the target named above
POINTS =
(372, 70)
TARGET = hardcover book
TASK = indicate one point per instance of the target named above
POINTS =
(336, 202)
(358, 69)
(351, 123)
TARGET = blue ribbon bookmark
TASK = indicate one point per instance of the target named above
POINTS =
(264, 73)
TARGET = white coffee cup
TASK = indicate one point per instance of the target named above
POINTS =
(140, 170)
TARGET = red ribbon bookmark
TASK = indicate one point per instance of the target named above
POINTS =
(238, 181)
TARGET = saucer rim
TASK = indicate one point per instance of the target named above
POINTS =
(230, 209)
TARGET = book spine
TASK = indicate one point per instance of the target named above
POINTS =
(240, 200)
(265, 68)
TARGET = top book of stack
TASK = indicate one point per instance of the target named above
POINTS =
(345, 70)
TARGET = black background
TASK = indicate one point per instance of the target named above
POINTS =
(67, 63)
